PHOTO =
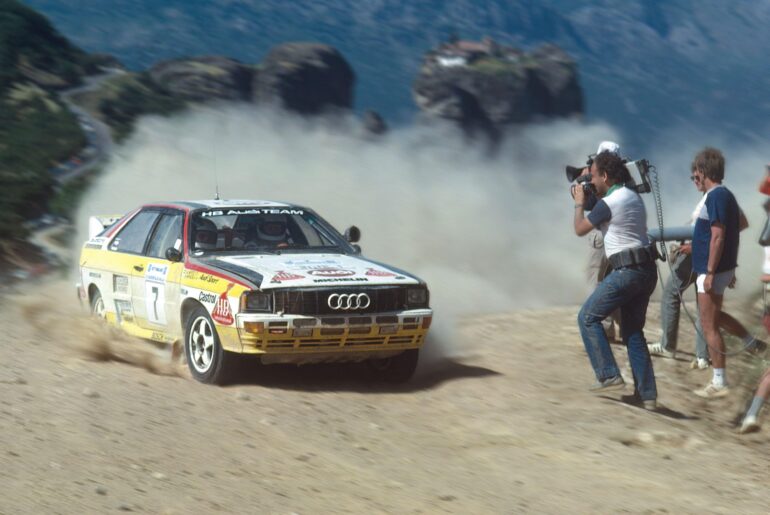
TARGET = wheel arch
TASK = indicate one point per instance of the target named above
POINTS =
(188, 306)
(91, 291)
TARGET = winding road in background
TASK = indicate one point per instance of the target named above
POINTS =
(97, 133)
(43, 230)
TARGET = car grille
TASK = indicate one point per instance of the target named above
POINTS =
(347, 342)
(314, 302)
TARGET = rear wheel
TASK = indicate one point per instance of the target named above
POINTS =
(97, 305)
(397, 369)
(207, 360)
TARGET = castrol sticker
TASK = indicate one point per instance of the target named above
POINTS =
(222, 313)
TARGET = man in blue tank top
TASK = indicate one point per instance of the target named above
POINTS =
(716, 236)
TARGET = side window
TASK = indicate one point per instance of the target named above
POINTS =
(168, 233)
(131, 238)
(314, 236)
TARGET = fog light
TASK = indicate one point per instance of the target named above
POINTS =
(300, 332)
(426, 322)
(277, 330)
(388, 329)
(254, 327)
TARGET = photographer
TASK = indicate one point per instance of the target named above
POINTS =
(622, 219)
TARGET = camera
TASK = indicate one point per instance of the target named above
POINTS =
(639, 175)
(573, 172)
(584, 181)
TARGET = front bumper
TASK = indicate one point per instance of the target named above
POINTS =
(297, 334)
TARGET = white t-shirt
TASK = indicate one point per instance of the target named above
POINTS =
(622, 218)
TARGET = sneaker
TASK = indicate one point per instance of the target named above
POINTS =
(712, 391)
(608, 384)
(650, 405)
(657, 349)
(699, 363)
(749, 425)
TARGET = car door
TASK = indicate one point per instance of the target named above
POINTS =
(155, 281)
(125, 252)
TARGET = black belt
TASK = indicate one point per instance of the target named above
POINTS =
(634, 257)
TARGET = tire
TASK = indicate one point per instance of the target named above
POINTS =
(207, 360)
(397, 369)
(97, 306)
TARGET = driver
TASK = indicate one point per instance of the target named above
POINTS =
(273, 230)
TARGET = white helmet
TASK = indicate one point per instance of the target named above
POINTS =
(272, 229)
(608, 146)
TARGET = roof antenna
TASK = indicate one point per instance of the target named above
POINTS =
(216, 175)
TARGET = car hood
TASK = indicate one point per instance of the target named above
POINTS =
(301, 270)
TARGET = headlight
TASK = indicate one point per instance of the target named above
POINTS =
(417, 298)
(256, 301)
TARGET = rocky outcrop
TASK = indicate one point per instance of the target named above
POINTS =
(204, 78)
(486, 85)
(305, 77)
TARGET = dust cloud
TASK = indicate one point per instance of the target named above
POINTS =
(71, 328)
(488, 234)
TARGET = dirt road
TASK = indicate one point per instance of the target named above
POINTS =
(97, 423)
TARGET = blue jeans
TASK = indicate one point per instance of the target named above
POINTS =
(680, 279)
(628, 289)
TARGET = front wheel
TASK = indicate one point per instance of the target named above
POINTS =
(396, 369)
(207, 360)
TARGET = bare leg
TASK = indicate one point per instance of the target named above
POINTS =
(764, 386)
(710, 306)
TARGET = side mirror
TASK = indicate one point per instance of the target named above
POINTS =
(173, 255)
(352, 234)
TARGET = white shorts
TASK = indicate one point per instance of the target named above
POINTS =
(766, 264)
(720, 283)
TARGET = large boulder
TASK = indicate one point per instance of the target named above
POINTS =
(305, 77)
(486, 85)
(204, 78)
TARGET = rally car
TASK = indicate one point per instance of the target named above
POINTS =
(228, 277)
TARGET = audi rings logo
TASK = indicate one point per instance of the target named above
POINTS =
(348, 301)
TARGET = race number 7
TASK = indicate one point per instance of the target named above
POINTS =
(156, 303)
(155, 292)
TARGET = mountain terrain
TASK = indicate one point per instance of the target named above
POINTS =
(646, 66)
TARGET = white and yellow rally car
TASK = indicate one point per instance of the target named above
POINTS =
(232, 277)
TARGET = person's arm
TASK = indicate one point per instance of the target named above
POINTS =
(743, 222)
(582, 225)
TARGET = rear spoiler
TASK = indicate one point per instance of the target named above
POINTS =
(98, 224)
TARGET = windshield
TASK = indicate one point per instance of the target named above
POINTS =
(266, 229)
